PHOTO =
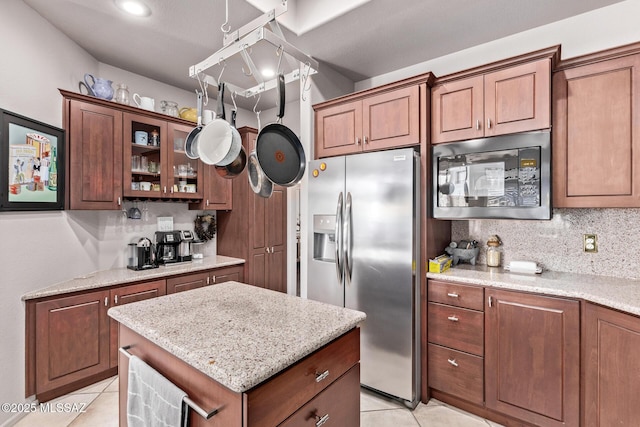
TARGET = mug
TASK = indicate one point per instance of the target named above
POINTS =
(182, 186)
(145, 186)
(144, 102)
(135, 186)
(191, 188)
(208, 116)
(141, 137)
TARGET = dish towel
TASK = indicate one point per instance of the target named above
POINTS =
(153, 400)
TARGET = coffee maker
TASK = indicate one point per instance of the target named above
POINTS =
(168, 244)
(184, 250)
(141, 255)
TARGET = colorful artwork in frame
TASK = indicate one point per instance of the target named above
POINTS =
(32, 164)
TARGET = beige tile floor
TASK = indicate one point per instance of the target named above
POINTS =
(100, 404)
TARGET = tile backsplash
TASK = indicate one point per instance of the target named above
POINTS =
(558, 244)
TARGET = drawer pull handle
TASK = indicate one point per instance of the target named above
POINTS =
(453, 318)
(452, 294)
(453, 362)
(320, 377)
(321, 420)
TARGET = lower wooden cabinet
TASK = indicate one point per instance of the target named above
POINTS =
(71, 339)
(200, 279)
(532, 359)
(611, 368)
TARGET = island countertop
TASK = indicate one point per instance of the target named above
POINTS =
(237, 334)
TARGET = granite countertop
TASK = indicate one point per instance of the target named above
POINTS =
(237, 334)
(119, 276)
(613, 292)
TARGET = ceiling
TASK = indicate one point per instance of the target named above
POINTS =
(372, 39)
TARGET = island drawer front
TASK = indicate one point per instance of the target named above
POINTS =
(466, 296)
(456, 327)
(270, 403)
(338, 405)
(456, 373)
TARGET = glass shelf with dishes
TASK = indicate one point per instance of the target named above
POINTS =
(143, 156)
(184, 173)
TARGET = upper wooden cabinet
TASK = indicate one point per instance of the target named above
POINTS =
(94, 141)
(106, 165)
(381, 118)
(596, 142)
(506, 97)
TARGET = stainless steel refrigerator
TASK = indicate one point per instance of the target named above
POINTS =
(363, 254)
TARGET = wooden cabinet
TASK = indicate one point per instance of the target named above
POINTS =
(532, 358)
(611, 367)
(126, 295)
(187, 282)
(102, 149)
(386, 117)
(256, 229)
(507, 97)
(227, 274)
(94, 141)
(71, 340)
(596, 139)
(455, 351)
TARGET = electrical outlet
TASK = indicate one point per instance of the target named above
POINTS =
(590, 243)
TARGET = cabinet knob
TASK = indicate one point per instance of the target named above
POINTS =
(119, 201)
(453, 362)
(207, 202)
(478, 124)
(106, 301)
(115, 300)
(453, 318)
(452, 295)
(214, 279)
(357, 141)
(208, 278)
(321, 376)
(488, 123)
(364, 138)
(320, 420)
(165, 189)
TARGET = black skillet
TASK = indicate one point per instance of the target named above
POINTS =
(279, 150)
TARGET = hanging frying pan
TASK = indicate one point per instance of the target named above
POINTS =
(258, 181)
(190, 142)
(236, 167)
(278, 149)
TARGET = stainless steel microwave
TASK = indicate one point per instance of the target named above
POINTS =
(506, 176)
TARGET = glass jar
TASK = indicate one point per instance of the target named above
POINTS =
(122, 94)
(493, 251)
(169, 108)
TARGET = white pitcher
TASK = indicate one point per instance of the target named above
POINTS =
(144, 102)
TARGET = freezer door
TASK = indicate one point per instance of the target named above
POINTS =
(324, 280)
(381, 252)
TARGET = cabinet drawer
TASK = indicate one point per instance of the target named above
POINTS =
(466, 296)
(273, 401)
(339, 404)
(456, 373)
(455, 327)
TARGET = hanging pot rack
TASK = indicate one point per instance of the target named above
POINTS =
(239, 42)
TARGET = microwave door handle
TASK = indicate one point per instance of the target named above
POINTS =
(338, 240)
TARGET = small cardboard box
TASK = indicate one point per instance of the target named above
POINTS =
(439, 264)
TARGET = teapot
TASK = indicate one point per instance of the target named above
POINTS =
(101, 88)
(190, 114)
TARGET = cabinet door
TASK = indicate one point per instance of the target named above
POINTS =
(184, 176)
(532, 357)
(127, 295)
(391, 119)
(596, 142)
(227, 274)
(339, 130)
(185, 283)
(217, 191)
(137, 178)
(276, 227)
(518, 99)
(457, 110)
(72, 336)
(611, 368)
(95, 157)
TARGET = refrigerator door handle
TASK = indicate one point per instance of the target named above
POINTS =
(338, 240)
(347, 240)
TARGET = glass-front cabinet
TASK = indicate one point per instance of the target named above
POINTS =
(155, 164)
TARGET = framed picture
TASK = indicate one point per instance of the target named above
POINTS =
(31, 164)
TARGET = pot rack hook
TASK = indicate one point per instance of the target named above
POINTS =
(279, 54)
(305, 80)
(246, 55)
(203, 88)
(224, 65)
(233, 98)
(256, 105)
(226, 19)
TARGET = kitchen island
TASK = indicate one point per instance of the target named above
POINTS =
(260, 357)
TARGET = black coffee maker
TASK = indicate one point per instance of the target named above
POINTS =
(142, 255)
(168, 243)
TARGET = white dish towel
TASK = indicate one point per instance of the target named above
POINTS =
(153, 400)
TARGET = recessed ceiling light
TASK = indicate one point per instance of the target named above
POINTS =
(133, 7)
(268, 72)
